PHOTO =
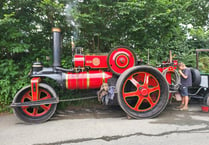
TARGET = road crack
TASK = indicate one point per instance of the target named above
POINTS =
(116, 137)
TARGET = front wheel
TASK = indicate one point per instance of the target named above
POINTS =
(143, 92)
(35, 114)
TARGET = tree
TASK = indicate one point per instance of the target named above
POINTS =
(25, 29)
(155, 25)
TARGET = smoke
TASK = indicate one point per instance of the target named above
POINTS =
(70, 10)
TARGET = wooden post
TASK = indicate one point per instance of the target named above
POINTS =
(170, 57)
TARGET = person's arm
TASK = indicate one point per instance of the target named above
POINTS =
(182, 74)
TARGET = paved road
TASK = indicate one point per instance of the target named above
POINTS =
(102, 126)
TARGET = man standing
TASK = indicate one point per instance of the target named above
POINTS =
(186, 81)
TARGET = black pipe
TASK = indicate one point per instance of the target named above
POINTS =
(56, 47)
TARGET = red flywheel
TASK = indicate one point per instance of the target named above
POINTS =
(121, 59)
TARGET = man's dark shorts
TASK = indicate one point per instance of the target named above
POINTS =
(183, 91)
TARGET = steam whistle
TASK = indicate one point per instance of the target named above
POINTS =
(72, 45)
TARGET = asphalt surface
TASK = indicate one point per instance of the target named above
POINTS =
(109, 126)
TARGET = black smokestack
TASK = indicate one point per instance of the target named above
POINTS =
(56, 47)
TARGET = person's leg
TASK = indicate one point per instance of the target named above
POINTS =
(186, 99)
(181, 91)
(186, 103)
(182, 103)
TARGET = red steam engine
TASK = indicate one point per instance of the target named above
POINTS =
(142, 91)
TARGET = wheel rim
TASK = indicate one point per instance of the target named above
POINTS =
(141, 91)
(38, 110)
(120, 60)
(172, 78)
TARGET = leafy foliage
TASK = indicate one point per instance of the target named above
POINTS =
(203, 64)
(142, 25)
(25, 29)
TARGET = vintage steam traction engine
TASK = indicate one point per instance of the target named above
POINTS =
(142, 91)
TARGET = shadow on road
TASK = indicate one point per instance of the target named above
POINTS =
(169, 116)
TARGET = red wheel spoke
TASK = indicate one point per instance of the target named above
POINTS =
(130, 94)
(25, 108)
(146, 79)
(27, 96)
(39, 95)
(149, 99)
(35, 111)
(45, 107)
(154, 89)
(139, 102)
(47, 97)
(134, 82)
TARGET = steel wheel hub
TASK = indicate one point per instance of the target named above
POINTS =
(143, 91)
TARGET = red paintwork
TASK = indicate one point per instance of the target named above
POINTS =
(35, 88)
(168, 75)
(96, 61)
(79, 61)
(87, 80)
(121, 59)
(147, 91)
(170, 69)
(91, 61)
(39, 110)
(175, 63)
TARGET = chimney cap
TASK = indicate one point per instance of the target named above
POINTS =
(56, 30)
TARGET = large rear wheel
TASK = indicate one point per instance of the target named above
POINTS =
(36, 114)
(143, 92)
